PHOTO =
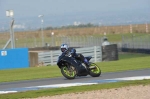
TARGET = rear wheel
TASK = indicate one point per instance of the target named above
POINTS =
(68, 71)
(95, 70)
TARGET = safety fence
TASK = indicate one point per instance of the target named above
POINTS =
(136, 42)
(51, 57)
(72, 41)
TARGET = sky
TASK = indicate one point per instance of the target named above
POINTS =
(63, 12)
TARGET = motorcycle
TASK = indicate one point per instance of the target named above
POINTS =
(71, 67)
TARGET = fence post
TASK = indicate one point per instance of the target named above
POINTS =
(95, 54)
(51, 57)
(131, 28)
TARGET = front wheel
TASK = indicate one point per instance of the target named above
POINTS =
(94, 71)
(68, 72)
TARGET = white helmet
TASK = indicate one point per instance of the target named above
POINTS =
(64, 47)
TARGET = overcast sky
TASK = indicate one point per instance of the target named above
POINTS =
(32, 8)
(23, 8)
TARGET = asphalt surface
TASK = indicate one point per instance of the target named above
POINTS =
(62, 80)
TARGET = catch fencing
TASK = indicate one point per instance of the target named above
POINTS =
(136, 42)
(72, 41)
(51, 57)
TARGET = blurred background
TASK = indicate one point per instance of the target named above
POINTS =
(83, 23)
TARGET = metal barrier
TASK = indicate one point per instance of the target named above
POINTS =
(50, 57)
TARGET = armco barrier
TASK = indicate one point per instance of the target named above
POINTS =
(109, 52)
(51, 57)
(14, 58)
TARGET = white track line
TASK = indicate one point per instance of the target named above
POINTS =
(132, 78)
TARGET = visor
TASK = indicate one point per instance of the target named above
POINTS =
(63, 49)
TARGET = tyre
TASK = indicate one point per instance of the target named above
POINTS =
(68, 72)
(95, 70)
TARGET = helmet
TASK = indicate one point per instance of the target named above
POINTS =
(105, 39)
(64, 47)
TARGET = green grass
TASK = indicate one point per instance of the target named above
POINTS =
(59, 91)
(29, 73)
(125, 62)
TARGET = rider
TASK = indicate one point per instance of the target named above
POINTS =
(64, 48)
(105, 42)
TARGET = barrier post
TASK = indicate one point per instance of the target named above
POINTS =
(51, 57)
(95, 54)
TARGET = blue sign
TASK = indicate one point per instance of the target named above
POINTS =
(14, 58)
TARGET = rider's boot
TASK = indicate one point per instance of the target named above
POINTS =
(86, 62)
